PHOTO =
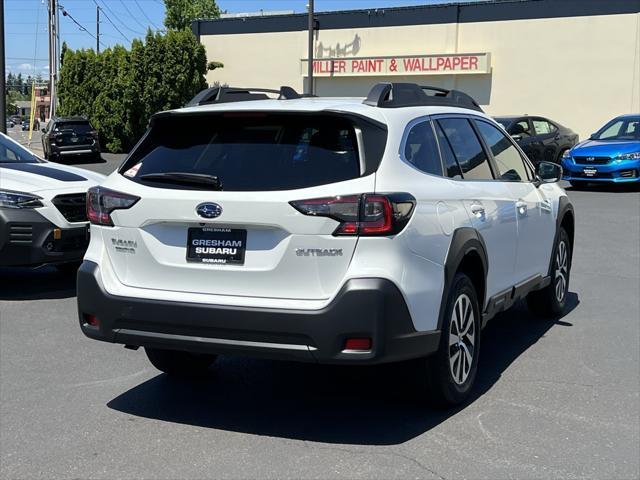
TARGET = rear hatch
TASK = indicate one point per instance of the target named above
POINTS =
(214, 215)
(74, 133)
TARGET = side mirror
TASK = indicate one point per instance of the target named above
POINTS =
(548, 172)
(516, 137)
(592, 136)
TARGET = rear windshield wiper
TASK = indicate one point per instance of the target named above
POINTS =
(179, 178)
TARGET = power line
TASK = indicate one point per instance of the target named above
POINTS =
(145, 15)
(131, 14)
(111, 22)
(80, 26)
(115, 15)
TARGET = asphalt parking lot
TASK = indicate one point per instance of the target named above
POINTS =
(555, 399)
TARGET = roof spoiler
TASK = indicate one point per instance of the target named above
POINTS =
(215, 95)
(395, 95)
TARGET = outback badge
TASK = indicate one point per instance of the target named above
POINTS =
(209, 210)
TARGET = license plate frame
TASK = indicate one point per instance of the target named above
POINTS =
(216, 246)
(590, 171)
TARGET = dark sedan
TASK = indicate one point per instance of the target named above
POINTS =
(540, 138)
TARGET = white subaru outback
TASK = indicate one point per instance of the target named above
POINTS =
(325, 230)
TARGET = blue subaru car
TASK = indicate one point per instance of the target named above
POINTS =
(612, 154)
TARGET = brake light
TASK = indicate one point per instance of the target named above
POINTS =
(364, 215)
(101, 202)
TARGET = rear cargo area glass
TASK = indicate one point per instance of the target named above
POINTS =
(249, 151)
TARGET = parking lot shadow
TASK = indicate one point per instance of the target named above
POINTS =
(36, 284)
(345, 405)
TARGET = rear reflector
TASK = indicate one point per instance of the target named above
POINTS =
(365, 215)
(358, 344)
(91, 320)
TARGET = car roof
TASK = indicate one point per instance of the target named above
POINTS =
(70, 119)
(628, 115)
(352, 105)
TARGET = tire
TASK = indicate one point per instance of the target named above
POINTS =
(451, 372)
(560, 154)
(551, 300)
(180, 364)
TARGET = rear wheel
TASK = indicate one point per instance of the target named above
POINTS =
(451, 372)
(179, 364)
(551, 300)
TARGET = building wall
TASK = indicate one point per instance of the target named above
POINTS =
(579, 70)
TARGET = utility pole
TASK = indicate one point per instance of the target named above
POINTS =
(310, 54)
(3, 106)
(97, 28)
(53, 55)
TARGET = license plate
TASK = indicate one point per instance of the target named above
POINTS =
(590, 172)
(224, 246)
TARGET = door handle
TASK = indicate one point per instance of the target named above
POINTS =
(478, 211)
(521, 206)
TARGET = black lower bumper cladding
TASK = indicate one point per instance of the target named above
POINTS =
(364, 308)
(29, 239)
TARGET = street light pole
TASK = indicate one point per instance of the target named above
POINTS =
(310, 54)
(3, 106)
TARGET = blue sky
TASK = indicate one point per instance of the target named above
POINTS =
(26, 23)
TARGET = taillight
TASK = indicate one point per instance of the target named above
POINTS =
(368, 214)
(94, 134)
(102, 201)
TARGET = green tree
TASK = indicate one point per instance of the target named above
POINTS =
(180, 13)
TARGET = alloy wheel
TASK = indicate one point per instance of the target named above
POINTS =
(562, 271)
(462, 339)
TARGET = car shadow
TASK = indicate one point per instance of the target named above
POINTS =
(22, 283)
(330, 404)
(606, 187)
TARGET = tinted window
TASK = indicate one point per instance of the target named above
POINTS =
(78, 127)
(421, 149)
(251, 152)
(543, 127)
(452, 169)
(507, 158)
(467, 149)
(521, 128)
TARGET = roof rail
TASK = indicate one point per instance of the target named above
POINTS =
(396, 95)
(238, 94)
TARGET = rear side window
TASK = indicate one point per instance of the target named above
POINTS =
(467, 148)
(452, 169)
(421, 149)
(250, 151)
(508, 160)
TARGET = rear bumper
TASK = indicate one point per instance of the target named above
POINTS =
(27, 239)
(64, 151)
(368, 307)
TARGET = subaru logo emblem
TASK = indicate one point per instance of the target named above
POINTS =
(209, 210)
(590, 159)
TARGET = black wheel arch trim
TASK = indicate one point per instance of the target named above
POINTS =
(564, 208)
(464, 241)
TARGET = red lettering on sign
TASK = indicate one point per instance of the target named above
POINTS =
(473, 63)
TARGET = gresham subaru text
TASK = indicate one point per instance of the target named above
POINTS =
(325, 230)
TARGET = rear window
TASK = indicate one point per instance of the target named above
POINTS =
(250, 151)
(77, 127)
